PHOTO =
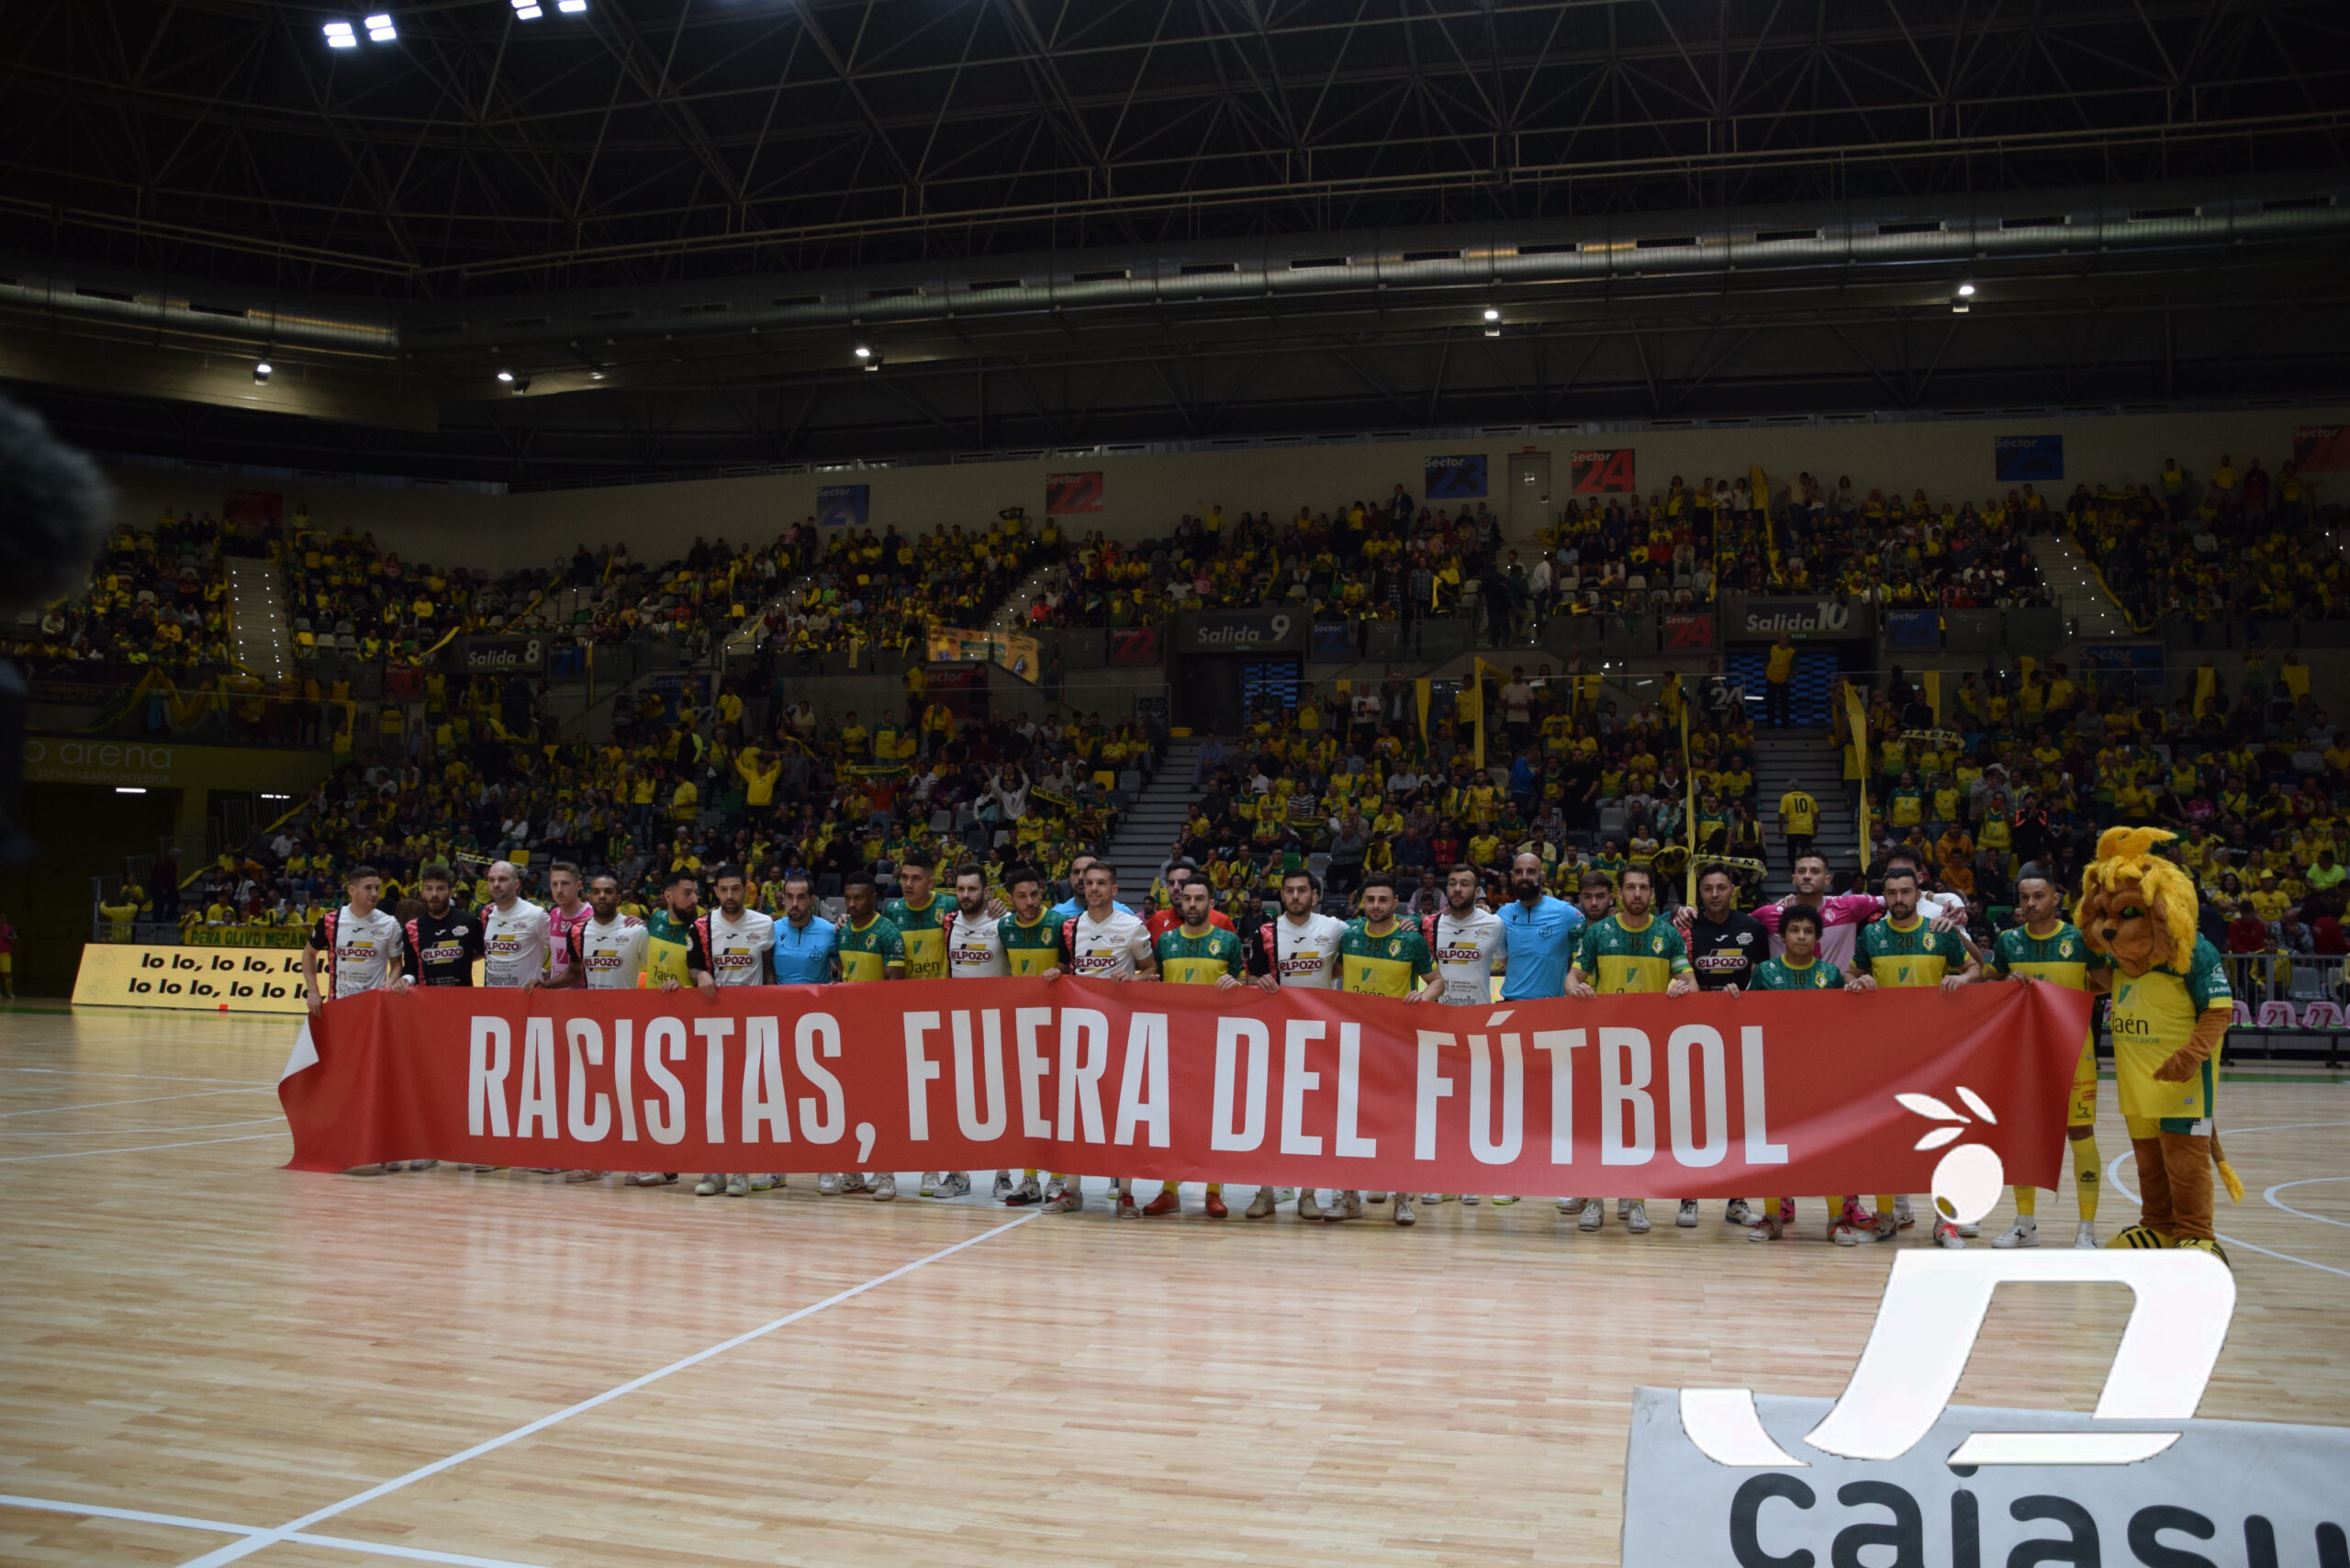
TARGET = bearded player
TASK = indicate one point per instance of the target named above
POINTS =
(1799, 967)
(1470, 948)
(1630, 953)
(974, 951)
(1197, 952)
(1902, 951)
(1297, 947)
(607, 952)
(736, 940)
(1380, 956)
(1029, 939)
(2050, 948)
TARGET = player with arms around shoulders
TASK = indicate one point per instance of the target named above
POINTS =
(1470, 950)
(1903, 951)
(736, 941)
(1104, 940)
(974, 950)
(2050, 948)
(867, 946)
(1299, 947)
(921, 916)
(514, 934)
(604, 950)
(1380, 956)
(444, 942)
(1196, 952)
(1630, 953)
(802, 953)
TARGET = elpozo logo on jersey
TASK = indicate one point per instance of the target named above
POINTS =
(1720, 1475)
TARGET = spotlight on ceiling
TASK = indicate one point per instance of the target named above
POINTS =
(260, 373)
(1966, 291)
(380, 28)
(505, 375)
(1492, 314)
(571, 7)
(861, 352)
(339, 35)
(528, 10)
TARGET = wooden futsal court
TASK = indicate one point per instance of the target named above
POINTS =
(205, 1359)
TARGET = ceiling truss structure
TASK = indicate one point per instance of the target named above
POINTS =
(652, 142)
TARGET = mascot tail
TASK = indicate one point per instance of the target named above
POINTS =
(2227, 1173)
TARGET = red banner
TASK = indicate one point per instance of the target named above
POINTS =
(1699, 1096)
(1067, 493)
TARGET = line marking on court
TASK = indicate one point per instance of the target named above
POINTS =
(2306, 1181)
(144, 1148)
(143, 1099)
(236, 1550)
(175, 1521)
(2113, 1175)
(126, 1132)
(141, 1077)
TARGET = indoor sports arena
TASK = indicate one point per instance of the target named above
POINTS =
(1586, 748)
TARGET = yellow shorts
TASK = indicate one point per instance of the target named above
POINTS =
(2083, 1105)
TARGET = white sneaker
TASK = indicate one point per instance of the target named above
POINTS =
(738, 1186)
(2025, 1232)
(885, 1187)
(1404, 1215)
(1687, 1218)
(930, 1180)
(709, 1186)
(829, 1184)
(1060, 1200)
(1901, 1212)
(1886, 1228)
(766, 1183)
(653, 1179)
(2085, 1236)
(1003, 1188)
(1028, 1192)
(1843, 1233)
(1309, 1206)
(1970, 1231)
(957, 1183)
(1595, 1213)
(1767, 1228)
(1946, 1234)
(1055, 1188)
(1471, 1200)
(1504, 1200)
(1262, 1207)
(853, 1181)
(1635, 1216)
(1571, 1205)
(1623, 1208)
(1737, 1213)
(423, 1164)
(1346, 1204)
(1443, 1198)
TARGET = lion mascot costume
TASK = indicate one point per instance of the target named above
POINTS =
(2171, 1008)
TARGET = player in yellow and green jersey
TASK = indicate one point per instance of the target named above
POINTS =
(1800, 968)
(919, 916)
(1031, 936)
(1630, 952)
(865, 948)
(1904, 951)
(2049, 947)
(1197, 952)
(673, 948)
(1380, 956)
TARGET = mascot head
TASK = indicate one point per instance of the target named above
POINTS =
(2136, 907)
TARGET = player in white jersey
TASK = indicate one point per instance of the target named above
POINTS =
(974, 951)
(737, 940)
(362, 944)
(1102, 941)
(601, 949)
(364, 947)
(1299, 947)
(1470, 947)
(513, 934)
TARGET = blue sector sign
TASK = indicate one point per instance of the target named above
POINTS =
(2026, 459)
(1456, 478)
(842, 506)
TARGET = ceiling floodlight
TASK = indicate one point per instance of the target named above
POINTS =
(571, 7)
(862, 351)
(380, 28)
(339, 35)
(528, 10)
(260, 373)
(505, 375)
(1966, 291)
(1492, 314)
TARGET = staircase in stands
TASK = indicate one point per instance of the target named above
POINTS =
(2089, 611)
(1149, 825)
(1791, 758)
(257, 626)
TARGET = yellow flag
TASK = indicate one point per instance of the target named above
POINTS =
(1471, 708)
(1934, 694)
(2296, 675)
(1422, 691)
(2206, 680)
(1857, 714)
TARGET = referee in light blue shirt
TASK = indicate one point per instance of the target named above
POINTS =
(803, 939)
(1537, 934)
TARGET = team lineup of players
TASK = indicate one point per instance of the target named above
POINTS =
(1608, 941)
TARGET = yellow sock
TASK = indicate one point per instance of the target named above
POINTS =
(1030, 1173)
(1215, 1189)
(1167, 1186)
(2086, 1175)
(1883, 1208)
(2027, 1201)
